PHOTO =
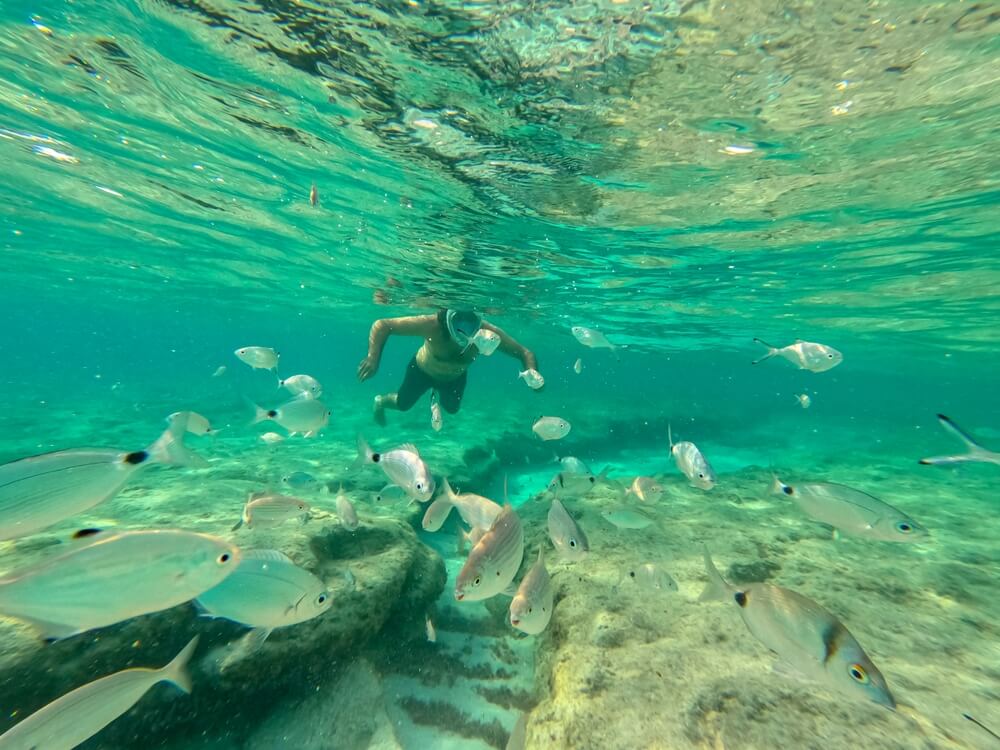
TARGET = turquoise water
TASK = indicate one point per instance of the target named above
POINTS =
(684, 177)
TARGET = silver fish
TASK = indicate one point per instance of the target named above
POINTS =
(805, 355)
(645, 489)
(573, 465)
(551, 428)
(403, 466)
(531, 607)
(623, 518)
(477, 511)
(302, 415)
(691, 462)
(219, 371)
(72, 719)
(494, 561)
(432, 635)
(566, 535)
(265, 509)
(39, 491)
(302, 385)
(578, 366)
(486, 341)
(346, 512)
(113, 577)
(436, 514)
(575, 483)
(258, 357)
(591, 337)
(271, 438)
(803, 400)
(852, 511)
(266, 590)
(976, 452)
(189, 421)
(532, 378)
(803, 635)
(437, 418)
(651, 577)
(300, 480)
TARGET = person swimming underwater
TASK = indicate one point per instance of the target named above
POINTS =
(440, 363)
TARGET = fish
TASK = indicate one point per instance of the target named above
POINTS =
(313, 195)
(115, 576)
(303, 414)
(258, 357)
(573, 465)
(531, 608)
(578, 366)
(804, 636)
(852, 511)
(532, 378)
(266, 591)
(486, 341)
(518, 738)
(645, 490)
(975, 451)
(437, 418)
(391, 494)
(551, 428)
(477, 511)
(219, 371)
(806, 355)
(77, 716)
(189, 421)
(803, 399)
(977, 722)
(650, 577)
(265, 509)
(691, 462)
(576, 483)
(626, 519)
(566, 535)
(271, 438)
(592, 338)
(302, 384)
(39, 491)
(432, 635)
(300, 480)
(437, 513)
(494, 561)
(403, 466)
(346, 512)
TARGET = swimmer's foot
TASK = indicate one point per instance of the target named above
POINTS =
(378, 410)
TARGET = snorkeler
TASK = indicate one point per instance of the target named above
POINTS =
(451, 344)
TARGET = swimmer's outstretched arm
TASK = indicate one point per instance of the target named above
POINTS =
(513, 348)
(410, 325)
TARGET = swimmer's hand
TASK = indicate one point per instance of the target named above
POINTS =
(367, 368)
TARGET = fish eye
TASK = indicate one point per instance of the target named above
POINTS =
(829, 356)
(477, 581)
(701, 475)
(787, 490)
(321, 599)
(904, 527)
(420, 486)
(858, 673)
(572, 543)
(530, 610)
(223, 558)
(632, 573)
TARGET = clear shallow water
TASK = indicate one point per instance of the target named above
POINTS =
(683, 176)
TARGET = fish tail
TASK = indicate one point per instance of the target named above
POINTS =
(169, 448)
(259, 414)
(771, 351)
(176, 671)
(716, 589)
(602, 478)
(239, 524)
(449, 493)
(365, 453)
(779, 487)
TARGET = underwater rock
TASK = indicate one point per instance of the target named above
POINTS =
(381, 572)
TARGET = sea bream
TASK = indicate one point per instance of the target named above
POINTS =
(651, 577)
(531, 608)
(266, 591)
(266, 509)
(436, 514)
(494, 561)
(403, 466)
(551, 428)
(437, 418)
(592, 338)
(852, 511)
(303, 415)
(691, 462)
(115, 576)
(813, 642)
(40, 491)
(486, 341)
(975, 452)
(625, 518)
(302, 385)
(258, 357)
(645, 490)
(532, 378)
(71, 720)
(567, 536)
(477, 511)
(345, 511)
(806, 355)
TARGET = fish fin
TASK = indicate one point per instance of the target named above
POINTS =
(961, 434)
(50, 631)
(506, 500)
(253, 640)
(169, 449)
(799, 341)
(259, 414)
(772, 351)
(449, 493)
(271, 555)
(310, 434)
(409, 447)
(716, 589)
(365, 454)
(511, 590)
(787, 671)
(176, 671)
(238, 525)
(670, 436)
(603, 476)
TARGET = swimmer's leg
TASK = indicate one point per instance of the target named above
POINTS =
(415, 384)
(451, 393)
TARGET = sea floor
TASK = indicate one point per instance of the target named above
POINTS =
(619, 666)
